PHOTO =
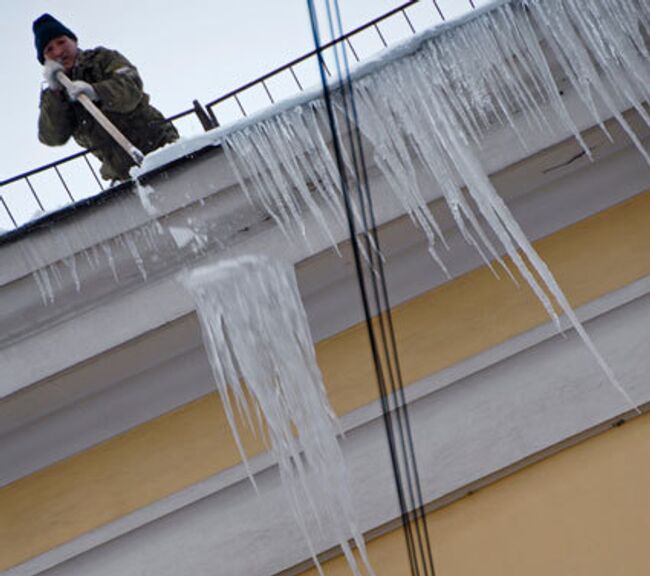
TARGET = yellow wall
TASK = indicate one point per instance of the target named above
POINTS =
(459, 319)
(582, 512)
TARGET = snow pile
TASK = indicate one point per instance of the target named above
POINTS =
(433, 107)
(254, 327)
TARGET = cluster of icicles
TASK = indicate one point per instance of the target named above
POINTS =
(431, 109)
(50, 277)
(427, 111)
(255, 328)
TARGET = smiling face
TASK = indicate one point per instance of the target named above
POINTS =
(63, 49)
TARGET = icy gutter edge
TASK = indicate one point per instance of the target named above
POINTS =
(357, 419)
(494, 159)
(188, 146)
(497, 157)
(111, 194)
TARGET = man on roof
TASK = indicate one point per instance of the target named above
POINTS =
(112, 82)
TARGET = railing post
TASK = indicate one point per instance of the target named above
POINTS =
(38, 200)
(2, 200)
(207, 119)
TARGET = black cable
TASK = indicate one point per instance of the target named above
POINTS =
(360, 276)
(363, 293)
(373, 252)
(397, 385)
(390, 347)
(382, 303)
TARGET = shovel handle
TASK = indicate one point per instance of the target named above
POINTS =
(98, 115)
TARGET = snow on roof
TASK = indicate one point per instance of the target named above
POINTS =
(186, 146)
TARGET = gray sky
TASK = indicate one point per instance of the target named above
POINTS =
(183, 49)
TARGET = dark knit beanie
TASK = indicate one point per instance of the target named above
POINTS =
(46, 28)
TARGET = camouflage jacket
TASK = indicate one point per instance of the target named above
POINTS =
(121, 98)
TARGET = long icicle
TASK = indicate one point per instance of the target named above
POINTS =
(434, 107)
(255, 328)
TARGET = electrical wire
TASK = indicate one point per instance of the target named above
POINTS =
(368, 260)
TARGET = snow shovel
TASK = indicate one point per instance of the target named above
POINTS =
(87, 103)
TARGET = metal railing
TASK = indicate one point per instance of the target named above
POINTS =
(207, 116)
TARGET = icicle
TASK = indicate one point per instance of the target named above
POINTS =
(588, 38)
(108, 252)
(71, 263)
(149, 235)
(145, 193)
(286, 165)
(433, 109)
(42, 279)
(56, 274)
(135, 253)
(91, 257)
(254, 327)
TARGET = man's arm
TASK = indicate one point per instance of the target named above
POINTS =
(56, 120)
(121, 88)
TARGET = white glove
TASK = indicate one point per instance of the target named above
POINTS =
(79, 87)
(50, 68)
